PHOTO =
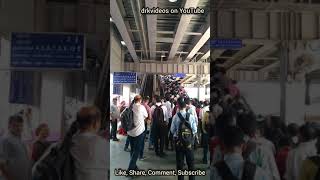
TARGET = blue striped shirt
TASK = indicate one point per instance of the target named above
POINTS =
(176, 122)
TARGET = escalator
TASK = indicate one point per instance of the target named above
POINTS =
(147, 88)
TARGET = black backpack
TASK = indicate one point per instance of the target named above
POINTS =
(185, 135)
(158, 116)
(224, 171)
(127, 119)
(58, 164)
(316, 160)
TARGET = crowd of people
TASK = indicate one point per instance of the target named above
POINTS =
(246, 146)
(84, 144)
(164, 115)
(241, 145)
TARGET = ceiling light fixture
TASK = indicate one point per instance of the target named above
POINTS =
(123, 43)
(173, 0)
(111, 20)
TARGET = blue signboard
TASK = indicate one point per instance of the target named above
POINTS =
(21, 88)
(124, 78)
(226, 43)
(179, 75)
(47, 50)
(117, 89)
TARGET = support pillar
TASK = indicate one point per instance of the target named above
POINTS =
(52, 103)
(307, 91)
(154, 84)
(198, 85)
(283, 79)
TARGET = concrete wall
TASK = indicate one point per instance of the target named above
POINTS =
(270, 24)
(264, 98)
(116, 60)
(5, 82)
(52, 101)
(38, 15)
(16, 16)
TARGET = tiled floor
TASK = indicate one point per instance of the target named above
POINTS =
(120, 159)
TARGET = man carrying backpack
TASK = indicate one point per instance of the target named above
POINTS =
(184, 129)
(254, 151)
(311, 167)
(136, 130)
(233, 166)
(159, 125)
(303, 151)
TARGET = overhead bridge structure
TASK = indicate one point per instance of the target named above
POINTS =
(263, 27)
(157, 67)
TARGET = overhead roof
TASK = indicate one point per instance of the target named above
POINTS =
(166, 38)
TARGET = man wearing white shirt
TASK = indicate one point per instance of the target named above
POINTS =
(160, 120)
(305, 149)
(136, 135)
(89, 150)
(169, 107)
(115, 116)
(255, 152)
(16, 164)
(191, 109)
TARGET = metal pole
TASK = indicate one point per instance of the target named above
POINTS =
(154, 83)
(307, 90)
(198, 86)
(283, 79)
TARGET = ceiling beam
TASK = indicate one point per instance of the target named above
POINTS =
(152, 28)
(118, 20)
(134, 30)
(216, 53)
(187, 33)
(181, 44)
(186, 80)
(283, 6)
(206, 55)
(182, 27)
(267, 58)
(170, 20)
(165, 40)
(199, 44)
(240, 55)
(139, 21)
(258, 59)
(271, 66)
(250, 66)
(179, 52)
(264, 50)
